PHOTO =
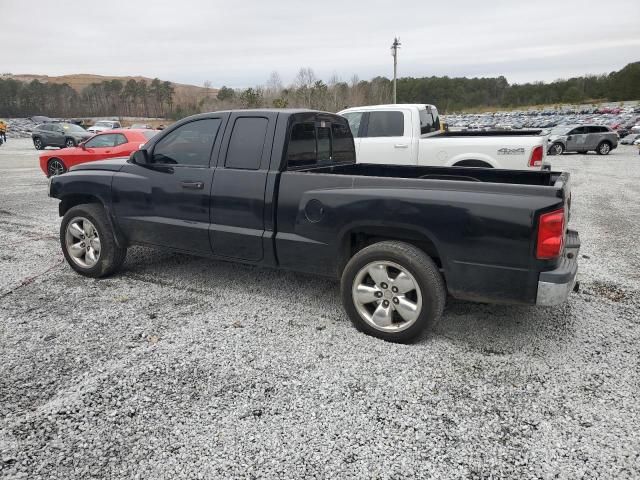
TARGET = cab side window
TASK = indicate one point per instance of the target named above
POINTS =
(189, 145)
(385, 124)
(247, 143)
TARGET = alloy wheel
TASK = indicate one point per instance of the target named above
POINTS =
(387, 296)
(82, 242)
(55, 167)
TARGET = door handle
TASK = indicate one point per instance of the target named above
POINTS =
(193, 185)
(401, 145)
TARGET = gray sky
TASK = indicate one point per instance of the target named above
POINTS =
(238, 43)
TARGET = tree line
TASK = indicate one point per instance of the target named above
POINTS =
(107, 98)
(449, 94)
(156, 98)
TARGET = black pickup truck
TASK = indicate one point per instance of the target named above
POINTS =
(281, 188)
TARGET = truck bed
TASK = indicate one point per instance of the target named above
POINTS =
(469, 174)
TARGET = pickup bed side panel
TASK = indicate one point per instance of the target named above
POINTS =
(508, 152)
(484, 239)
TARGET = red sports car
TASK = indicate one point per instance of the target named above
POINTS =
(114, 143)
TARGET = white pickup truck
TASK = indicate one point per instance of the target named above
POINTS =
(411, 135)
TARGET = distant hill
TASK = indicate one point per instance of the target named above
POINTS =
(81, 80)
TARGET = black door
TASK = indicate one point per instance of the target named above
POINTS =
(237, 195)
(167, 202)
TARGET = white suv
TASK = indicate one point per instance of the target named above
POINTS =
(103, 126)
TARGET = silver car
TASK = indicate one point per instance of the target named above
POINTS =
(582, 139)
(104, 126)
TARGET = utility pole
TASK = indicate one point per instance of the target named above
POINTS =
(394, 53)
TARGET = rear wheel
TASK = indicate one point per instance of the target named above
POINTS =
(603, 148)
(69, 142)
(556, 149)
(392, 290)
(88, 242)
(55, 167)
(37, 142)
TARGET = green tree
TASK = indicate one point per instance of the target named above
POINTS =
(251, 98)
(225, 93)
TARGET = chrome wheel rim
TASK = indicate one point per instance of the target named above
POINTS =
(55, 168)
(604, 148)
(82, 242)
(387, 296)
(69, 143)
(558, 149)
(37, 143)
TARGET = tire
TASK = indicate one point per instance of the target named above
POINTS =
(406, 277)
(109, 256)
(556, 149)
(55, 166)
(37, 142)
(603, 148)
(69, 142)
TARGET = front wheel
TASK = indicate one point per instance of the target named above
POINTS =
(69, 143)
(603, 148)
(557, 149)
(37, 142)
(55, 167)
(88, 242)
(392, 290)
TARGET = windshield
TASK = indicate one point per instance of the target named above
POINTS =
(562, 130)
(70, 127)
(150, 134)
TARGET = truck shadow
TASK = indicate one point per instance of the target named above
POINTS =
(488, 328)
(505, 329)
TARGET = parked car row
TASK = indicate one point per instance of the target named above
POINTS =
(620, 120)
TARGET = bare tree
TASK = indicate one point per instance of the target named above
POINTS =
(304, 82)
(274, 85)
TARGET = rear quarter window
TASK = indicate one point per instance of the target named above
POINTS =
(246, 143)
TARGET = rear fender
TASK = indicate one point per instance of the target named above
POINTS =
(472, 156)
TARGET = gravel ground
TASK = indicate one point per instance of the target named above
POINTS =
(181, 367)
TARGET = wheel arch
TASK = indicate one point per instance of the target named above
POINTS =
(358, 237)
(466, 158)
(74, 199)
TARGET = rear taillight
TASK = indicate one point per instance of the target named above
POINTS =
(536, 157)
(551, 229)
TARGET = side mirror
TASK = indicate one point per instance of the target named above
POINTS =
(140, 157)
(82, 145)
(569, 137)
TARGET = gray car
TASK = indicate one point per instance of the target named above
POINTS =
(58, 135)
(582, 139)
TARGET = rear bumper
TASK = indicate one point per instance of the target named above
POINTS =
(555, 286)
